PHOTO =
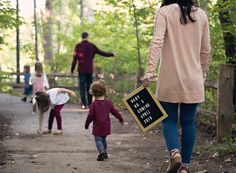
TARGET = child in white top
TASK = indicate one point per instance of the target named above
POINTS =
(56, 98)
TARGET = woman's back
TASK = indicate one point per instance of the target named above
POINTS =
(183, 41)
(185, 54)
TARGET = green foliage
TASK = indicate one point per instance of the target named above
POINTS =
(141, 16)
(7, 17)
(113, 31)
(217, 47)
(227, 15)
(228, 146)
(28, 50)
(4, 77)
(217, 43)
(1, 40)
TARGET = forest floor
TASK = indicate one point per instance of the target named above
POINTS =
(22, 150)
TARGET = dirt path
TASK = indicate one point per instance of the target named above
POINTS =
(130, 151)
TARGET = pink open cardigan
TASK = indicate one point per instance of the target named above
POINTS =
(184, 54)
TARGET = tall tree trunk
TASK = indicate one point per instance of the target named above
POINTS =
(36, 32)
(17, 44)
(48, 31)
(229, 38)
(228, 27)
(81, 10)
(137, 33)
(59, 28)
(140, 70)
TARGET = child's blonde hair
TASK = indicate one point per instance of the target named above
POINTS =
(98, 88)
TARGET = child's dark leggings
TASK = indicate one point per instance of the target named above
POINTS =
(101, 143)
(55, 112)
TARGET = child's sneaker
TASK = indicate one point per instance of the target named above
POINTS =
(40, 132)
(101, 157)
(24, 99)
(47, 131)
(106, 155)
(58, 132)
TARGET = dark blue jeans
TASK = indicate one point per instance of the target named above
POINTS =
(187, 123)
(85, 81)
(101, 143)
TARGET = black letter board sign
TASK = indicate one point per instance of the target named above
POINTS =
(145, 108)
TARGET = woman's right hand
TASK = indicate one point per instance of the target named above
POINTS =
(146, 81)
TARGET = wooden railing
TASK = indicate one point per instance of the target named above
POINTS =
(223, 113)
(54, 78)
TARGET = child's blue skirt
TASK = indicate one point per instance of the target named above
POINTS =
(28, 90)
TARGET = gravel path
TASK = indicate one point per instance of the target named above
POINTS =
(22, 150)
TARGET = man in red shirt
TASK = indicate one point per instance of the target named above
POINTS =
(84, 53)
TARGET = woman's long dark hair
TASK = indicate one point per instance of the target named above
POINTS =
(185, 7)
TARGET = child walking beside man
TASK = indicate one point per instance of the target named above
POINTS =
(99, 114)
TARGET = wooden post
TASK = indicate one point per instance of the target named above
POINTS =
(225, 101)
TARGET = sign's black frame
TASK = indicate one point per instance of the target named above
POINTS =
(157, 103)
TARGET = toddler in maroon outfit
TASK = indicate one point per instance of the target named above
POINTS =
(99, 113)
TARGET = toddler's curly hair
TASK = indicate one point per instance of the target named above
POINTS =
(43, 101)
(98, 88)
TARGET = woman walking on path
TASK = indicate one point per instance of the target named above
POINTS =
(99, 115)
(181, 43)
